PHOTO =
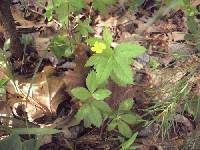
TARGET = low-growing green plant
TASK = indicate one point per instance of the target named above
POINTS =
(93, 109)
(107, 62)
(113, 62)
(123, 117)
(62, 46)
(194, 31)
(15, 142)
(127, 145)
(61, 10)
(84, 27)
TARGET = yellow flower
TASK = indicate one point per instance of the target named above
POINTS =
(98, 47)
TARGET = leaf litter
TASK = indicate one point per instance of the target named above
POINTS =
(164, 41)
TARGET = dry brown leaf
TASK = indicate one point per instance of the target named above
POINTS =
(78, 75)
(44, 97)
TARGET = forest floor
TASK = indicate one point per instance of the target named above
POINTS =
(170, 65)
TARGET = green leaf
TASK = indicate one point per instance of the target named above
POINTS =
(198, 46)
(189, 37)
(107, 36)
(3, 82)
(126, 105)
(95, 116)
(61, 47)
(129, 142)
(95, 60)
(122, 70)
(102, 5)
(30, 144)
(192, 24)
(91, 41)
(62, 9)
(124, 129)
(87, 123)
(82, 112)
(130, 118)
(76, 5)
(101, 94)
(13, 142)
(117, 80)
(81, 93)
(84, 27)
(104, 69)
(62, 17)
(112, 125)
(35, 131)
(128, 50)
(91, 81)
(102, 106)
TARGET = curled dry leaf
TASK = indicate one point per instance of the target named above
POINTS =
(44, 97)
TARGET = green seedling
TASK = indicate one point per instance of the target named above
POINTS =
(93, 110)
(123, 118)
(61, 46)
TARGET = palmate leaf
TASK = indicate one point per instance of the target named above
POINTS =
(104, 69)
(122, 70)
(91, 81)
(101, 94)
(130, 118)
(107, 37)
(124, 129)
(102, 106)
(126, 105)
(95, 60)
(112, 125)
(82, 112)
(81, 93)
(95, 116)
(62, 12)
(91, 41)
(84, 27)
(127, 50)
(61, 46)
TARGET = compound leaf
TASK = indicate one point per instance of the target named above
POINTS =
(130, 118)
(126, 105)
(102, 106)
(82, 112)
(101, 94)
(81, 93)
(95, 116)
(124, 129)
(91, 81)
